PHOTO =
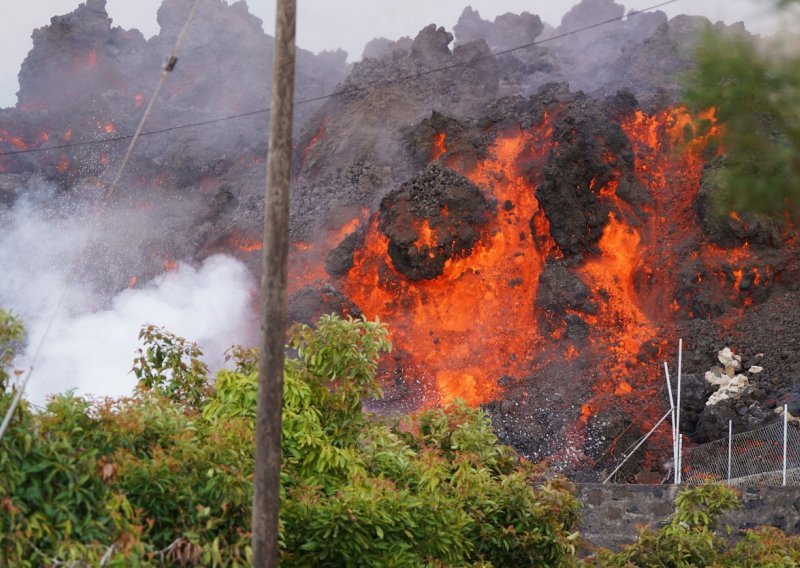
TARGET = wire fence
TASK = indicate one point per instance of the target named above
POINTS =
(750, 458)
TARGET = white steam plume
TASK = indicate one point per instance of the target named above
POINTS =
(92, 343)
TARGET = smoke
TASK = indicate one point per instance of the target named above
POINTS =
(93, 339)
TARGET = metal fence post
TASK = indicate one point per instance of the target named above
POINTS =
(785, 432)
(673, 425)
(678, 413)
(730, 444)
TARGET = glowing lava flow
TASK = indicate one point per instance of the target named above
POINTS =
(611, 274)
(439, 146)
(477, 321)
(478, 324)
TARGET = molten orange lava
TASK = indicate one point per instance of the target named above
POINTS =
(611, 274)
(439, 146)
(314, 140)
(465, 329)
(63, 164)
(479, 321)
(245, 244)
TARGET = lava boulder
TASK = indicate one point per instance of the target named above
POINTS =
(433, 217)
(339, 260)
(560, 290)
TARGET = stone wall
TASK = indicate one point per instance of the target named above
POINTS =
(613, 515)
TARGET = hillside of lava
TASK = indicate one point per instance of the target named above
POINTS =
(537, 229)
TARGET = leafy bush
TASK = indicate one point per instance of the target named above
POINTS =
(165, 476)
(689, 538)
(11, 333)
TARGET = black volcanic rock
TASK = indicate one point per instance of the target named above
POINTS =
(308, 304)
(560, 290)
(77, 54)
(592, 152)
(340, 260)
(507, 30)
(431, 218)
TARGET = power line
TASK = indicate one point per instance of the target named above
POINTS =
(349, 91)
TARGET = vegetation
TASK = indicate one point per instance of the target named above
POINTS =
(11, 333)
(689, 538)
(754, 88)
(164, 477)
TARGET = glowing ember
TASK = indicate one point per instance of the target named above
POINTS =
(245, 244)
(314, 141)
(623, 388)
(63, 164)
(439, 147)
(18, 143)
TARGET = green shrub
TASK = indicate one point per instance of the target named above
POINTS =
(689, 538)
(165, 477)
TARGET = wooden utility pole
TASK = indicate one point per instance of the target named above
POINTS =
(266, 490)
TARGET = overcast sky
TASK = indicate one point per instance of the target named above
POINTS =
(329, 24)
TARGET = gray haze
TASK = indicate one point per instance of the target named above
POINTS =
(346, 24)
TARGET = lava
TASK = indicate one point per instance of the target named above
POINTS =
(244, 244)
(63, 164)
(314, 141)
(16, 141)
(479, 321)
(611, 273)
(464, 329)
(439, 146)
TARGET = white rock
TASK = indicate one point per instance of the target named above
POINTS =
(716, 397)
(728, 359)
(755, 369)
(728, 387)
